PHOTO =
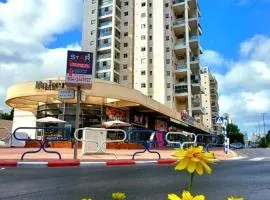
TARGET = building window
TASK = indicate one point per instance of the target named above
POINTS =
(143, 26)
(150, 4)
(125, 78)
(125, 44)
(143, 37)
(150, 15)
(168, 61)
(143, 49)
(167, 37)
(167, 27)
(143, 85)
(169, 98)
(168, 73)
(151, 73)
(150, 37)
(92, 21)
(166, 5)
(168, 85)
(126, 34)
(92, 32)
(143, 4)
(125, 55)
(150, 61)
(93, 11)
(150, 49)
(126, 13)
(150, 85)
(92, 43)
(125, 23)
(167, 16)
(143, 61)
(126, 3)
(150, 26)
(143, 15)
(124, 66)
(168, 49)
(93, 1)
(142, 72)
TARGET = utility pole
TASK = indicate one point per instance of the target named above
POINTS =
(263, 114)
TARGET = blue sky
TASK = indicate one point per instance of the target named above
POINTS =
(236, 43)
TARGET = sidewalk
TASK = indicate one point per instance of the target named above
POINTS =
(12, 156)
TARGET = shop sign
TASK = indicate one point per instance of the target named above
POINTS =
(140, 119)
(116, 114)
(79, 67)
(66, 94)
(161, 125)
(83, 96)
(187, 118)
(49, 85)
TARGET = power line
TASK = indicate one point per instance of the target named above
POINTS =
(263, 114)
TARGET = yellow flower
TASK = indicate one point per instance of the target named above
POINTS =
(118, 196)
(235, 198)
(185, 196)
(193, 158)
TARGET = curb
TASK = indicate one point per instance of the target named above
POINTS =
(75, 163)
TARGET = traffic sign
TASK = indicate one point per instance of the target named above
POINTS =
(219, 120)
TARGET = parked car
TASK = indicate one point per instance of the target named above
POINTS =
(252, 146)
(236, 145)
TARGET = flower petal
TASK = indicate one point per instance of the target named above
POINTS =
(199, 169)
(186, 195)
(206, 167)
(173, 197)
(191, 166)
(199, 197)
(182, 164)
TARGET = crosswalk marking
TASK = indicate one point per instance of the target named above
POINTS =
(257, 159)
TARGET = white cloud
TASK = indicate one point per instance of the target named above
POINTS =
(210, 58)
(245, 87)
(26, 27)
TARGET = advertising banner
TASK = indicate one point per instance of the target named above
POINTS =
(79, 67)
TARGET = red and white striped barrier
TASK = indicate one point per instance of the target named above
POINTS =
(76, 163)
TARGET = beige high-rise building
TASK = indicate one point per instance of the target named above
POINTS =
(150, 45)
(210, 100)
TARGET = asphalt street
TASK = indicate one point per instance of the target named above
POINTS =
(246, 178)
(254, 154)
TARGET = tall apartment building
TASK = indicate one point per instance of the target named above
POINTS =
(150, 45)
(210, 100)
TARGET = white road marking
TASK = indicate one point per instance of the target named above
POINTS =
(257, 159)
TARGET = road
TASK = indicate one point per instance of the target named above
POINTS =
(254, 154)
(242, 177)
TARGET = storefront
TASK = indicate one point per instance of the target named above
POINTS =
(104, 101)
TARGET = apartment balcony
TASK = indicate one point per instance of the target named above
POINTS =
(105, 14)
(104, 34)
(180, 93)
(104, 24)
(194, 42)
(104, 46)
(197, 108)
(196, 86)
(180, 69)
(105, 3)
(179, 26)
(180, 47)
(195, 65)
(178, 6)
(104, 56)
(103, 68)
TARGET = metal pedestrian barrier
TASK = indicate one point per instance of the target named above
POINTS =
(206, 140)
(179, 142)
(42, 142)
(94, 139)
(146, 143)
